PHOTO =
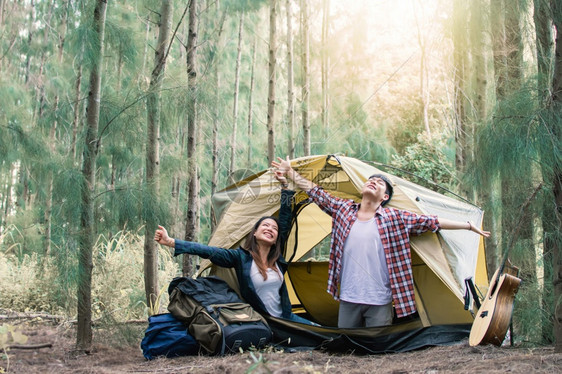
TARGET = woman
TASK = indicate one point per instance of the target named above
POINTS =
(258, 264)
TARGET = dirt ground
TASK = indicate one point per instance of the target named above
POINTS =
(109, 355)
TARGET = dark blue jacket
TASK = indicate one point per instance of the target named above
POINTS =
(241, 260)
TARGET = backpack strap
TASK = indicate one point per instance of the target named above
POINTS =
(471, 291)
(297, 209)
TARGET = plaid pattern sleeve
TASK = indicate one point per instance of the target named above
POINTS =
(328, 203)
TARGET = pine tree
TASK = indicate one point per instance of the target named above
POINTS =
(191, 225)
(272, 80)
(87, 234)
(152, 153)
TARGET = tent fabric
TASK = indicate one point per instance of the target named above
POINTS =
(441, 261)
(406, 336)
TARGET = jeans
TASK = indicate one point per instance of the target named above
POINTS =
(364, 315)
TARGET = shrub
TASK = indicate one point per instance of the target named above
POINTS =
(30, 284)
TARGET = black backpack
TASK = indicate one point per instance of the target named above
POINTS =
(216, 317)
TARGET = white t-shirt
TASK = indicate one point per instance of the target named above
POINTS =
(268, 290)
(364, 274)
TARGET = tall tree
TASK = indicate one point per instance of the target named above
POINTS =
(544, 50)
(91, 148)
(478, 49)
(192, 173)
(272, 79)
(513, 14)
(216, 59)
(77, 111)
(2, 11)
(555, 246)
(544, 46)
(479, 113)
(497, 21)
(325, 63)
(290, 83)
(251, 103)
(460, 42)
(217, 50)
(424, 70)
(305, 104)
(236, 93)
(152, 153)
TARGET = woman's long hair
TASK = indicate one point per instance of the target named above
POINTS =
(251, 245)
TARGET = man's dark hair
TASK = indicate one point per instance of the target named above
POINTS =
(389, 189)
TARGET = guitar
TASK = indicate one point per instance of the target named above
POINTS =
(492, 319)
(494, 315)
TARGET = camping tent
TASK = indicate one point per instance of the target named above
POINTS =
(441, 262)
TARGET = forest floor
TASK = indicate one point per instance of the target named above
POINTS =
(118, 351)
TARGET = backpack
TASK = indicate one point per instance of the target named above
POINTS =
(216, 317)
(167, 336)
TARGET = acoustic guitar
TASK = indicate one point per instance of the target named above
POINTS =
(493, 318)
(494, 315)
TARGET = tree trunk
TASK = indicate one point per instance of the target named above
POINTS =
(272, 80)
(145, 53)
(544, 47)
(29, 41)
(215, 146)
(193, 193)
(544, 51)
(290, 84)
(424, 76)
(7, 197)
(478, 37)
(497, 9)
(40, 96)
(153, 157)
(50, 181)
(62, 30)
(306, 78)
(236, 93)
(557, 77)
(251, 103)
(478, 33)
(514, 45)
(87, 234)
(497, 24)
(40, 87)
(459, 61)
(556, 108)
(2, 2)
(77, 106)
(325, 65)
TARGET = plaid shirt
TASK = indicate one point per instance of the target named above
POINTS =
(395, 227)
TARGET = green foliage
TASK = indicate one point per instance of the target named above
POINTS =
(427, 158)
(117, 274)
(374, 109)
(23, 235)
(26, 285)
(404, 135)
(364, 139)
(259, 364)
(518, 148)
(535, 302)
(9, 335)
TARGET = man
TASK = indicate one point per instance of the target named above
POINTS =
(370, 266)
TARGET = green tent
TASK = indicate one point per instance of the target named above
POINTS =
(441, 262)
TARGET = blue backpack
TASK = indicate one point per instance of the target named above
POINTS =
(167, 336)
